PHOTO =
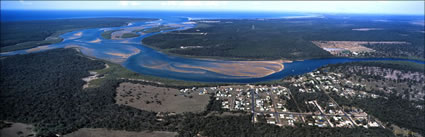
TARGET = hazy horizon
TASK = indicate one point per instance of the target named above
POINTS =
(326, 7)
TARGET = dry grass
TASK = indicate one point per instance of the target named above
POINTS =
(159, 99)
(403, 132)
(100, 132)
(17, 130)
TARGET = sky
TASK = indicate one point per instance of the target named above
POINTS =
(370, 7)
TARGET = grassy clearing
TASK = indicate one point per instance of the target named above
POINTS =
(159, 99)
(17, 130)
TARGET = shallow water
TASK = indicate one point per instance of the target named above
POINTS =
(130, 53)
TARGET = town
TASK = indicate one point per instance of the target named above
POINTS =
(271, 104)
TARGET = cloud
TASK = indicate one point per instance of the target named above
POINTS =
(193, 3)
(129, 3)
(24, 2)
(124, 3)
(133, 3)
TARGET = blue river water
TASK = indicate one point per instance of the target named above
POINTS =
(133, 55)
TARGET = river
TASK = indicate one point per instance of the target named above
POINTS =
(133, 55)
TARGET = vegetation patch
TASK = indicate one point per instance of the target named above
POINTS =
(108, 34)
(156, 29)
(129, 35)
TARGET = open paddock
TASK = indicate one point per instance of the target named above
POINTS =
(159, 99)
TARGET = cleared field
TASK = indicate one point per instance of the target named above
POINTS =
(159, 99)
(17, 130)
(340, 47)
(101, 132)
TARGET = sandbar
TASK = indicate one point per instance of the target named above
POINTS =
(37, 49)
(253, 69)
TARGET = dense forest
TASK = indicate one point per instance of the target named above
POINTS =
(17, 35)
(290, 38)
(45, 89)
